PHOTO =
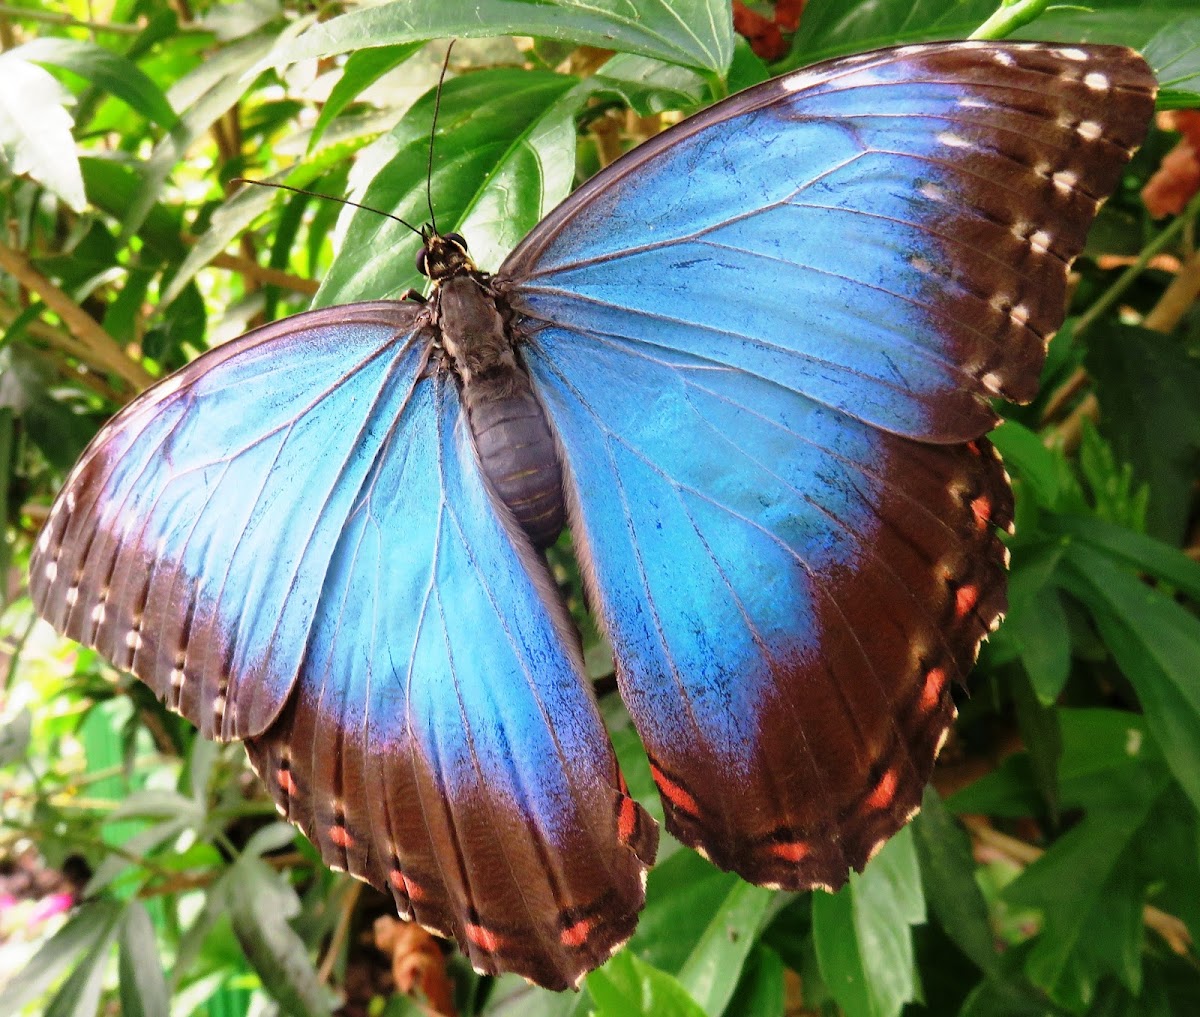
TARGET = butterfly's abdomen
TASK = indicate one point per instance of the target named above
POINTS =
(516, 448)
(518, 455)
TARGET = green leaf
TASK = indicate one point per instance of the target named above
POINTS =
(205, 94)
(1109, 759)
(1039, 729)
(1090, 893)
(143, 989)
(711, 972)
(106, 69)
(650, 86)
(1147, 383)
(504, 156)
(79, 995)
(362, 70)
(948, 878)
(1095, 770)
(863, 936)
(1037, 620)
(260, 905)
(831, 29)
(761, 991)
(1036, 466)
(684, 895)
(112, 187)
(1009, 994)
(694, 33)
(138, 845)
(157, 803)
(1156, 643)
(35, 129)
(1116, 495)
(1146, 554)
(1174, 53)
(89, 928)
(628, 987)
(14, 737)
(272, 837)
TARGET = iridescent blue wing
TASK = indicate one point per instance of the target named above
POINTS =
(766, 340)
(290, 541)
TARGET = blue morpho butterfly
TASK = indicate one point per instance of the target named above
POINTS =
(749, 364)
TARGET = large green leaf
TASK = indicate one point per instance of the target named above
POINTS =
(88, 932)
(863, 935)
(1156, 643)
(694, 33)
(831, 29)
(1037, 619)
(362, 70)
(504, 155)
(1090, 892)
(948, 877)
(110, 71)
(1147, 384)
(143, 987)
(711, 972)
(761, 991)
(260, 906)
(684, 895)
(1135, 550)
(628, 987)
(35, 129)
(1174, 53)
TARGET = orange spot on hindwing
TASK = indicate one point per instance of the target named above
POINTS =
(885, 791)
(982, 507)
(965, 599)
(483, 937)
(673, 793)
(576, 934)
(931, 694)
(791, 851)
(341, 836)
(626, 820)
(287, 783)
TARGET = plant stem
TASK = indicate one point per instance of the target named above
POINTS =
(1117, 289)
(1008, 17)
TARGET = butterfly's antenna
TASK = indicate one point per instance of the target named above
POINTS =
(329, 197)
(437, 105)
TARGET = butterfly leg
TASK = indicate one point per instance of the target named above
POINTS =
(414, 296)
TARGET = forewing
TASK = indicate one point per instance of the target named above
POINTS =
(887, 234)
(766, 341)
(291, 542)
(193, 536)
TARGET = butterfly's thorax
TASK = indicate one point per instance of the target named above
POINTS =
(516, 449)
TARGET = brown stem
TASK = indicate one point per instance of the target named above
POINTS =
(1056, 404)
(183, 882)
(266, 276)
(89, 342)
(606, 133)
(1177, 298)
(1070, 433)
(340, 931)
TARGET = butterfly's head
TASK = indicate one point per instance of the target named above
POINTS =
(442, 256)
